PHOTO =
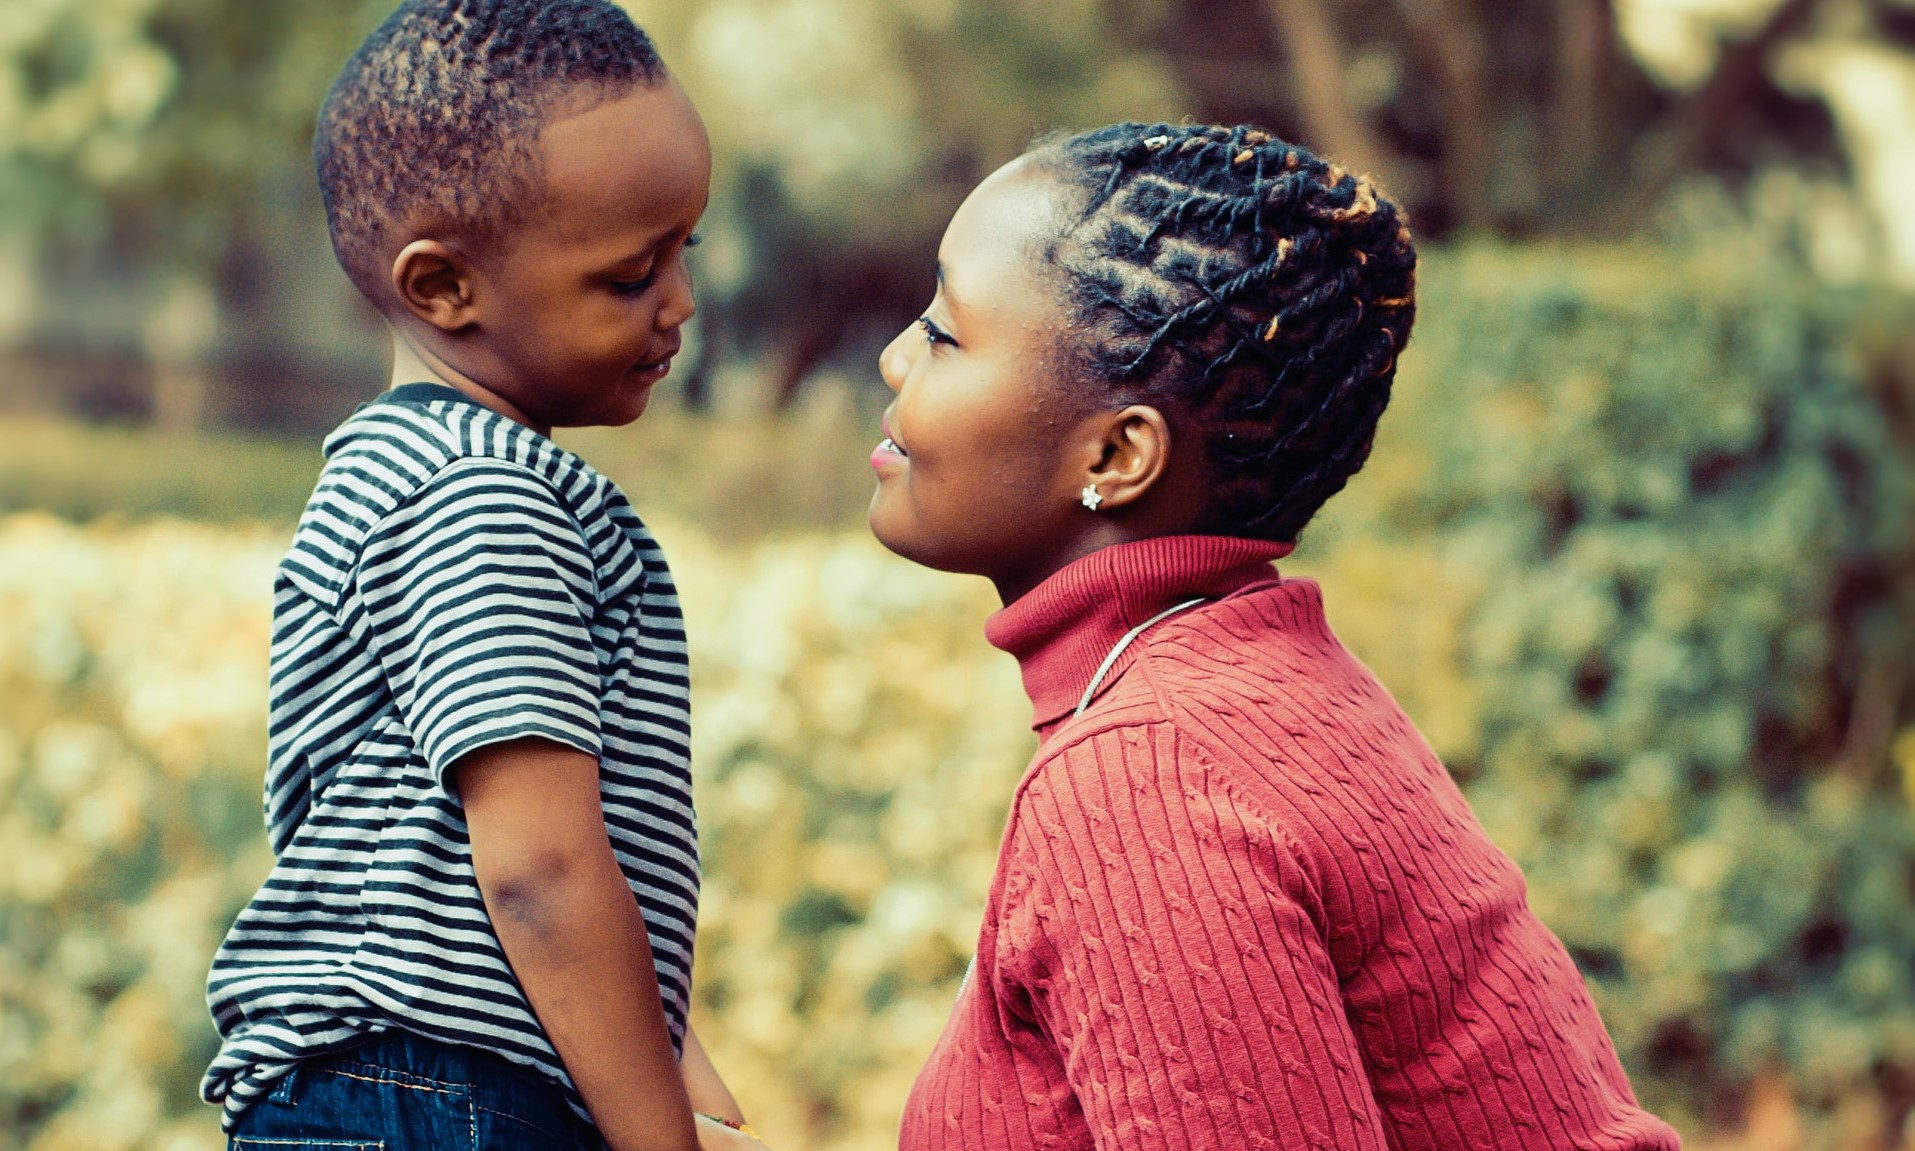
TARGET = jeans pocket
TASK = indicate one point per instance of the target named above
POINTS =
(503, 1131)
(297, 1144)
(342, 1105)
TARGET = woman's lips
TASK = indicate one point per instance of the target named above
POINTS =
(886, 454)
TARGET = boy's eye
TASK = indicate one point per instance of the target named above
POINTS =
(638, 286)
(934, 334)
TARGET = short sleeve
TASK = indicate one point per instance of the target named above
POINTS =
(1162, 939)
(477, 596)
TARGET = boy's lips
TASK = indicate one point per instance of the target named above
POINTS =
(661, 361)
(656, 368)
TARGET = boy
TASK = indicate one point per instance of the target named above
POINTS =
(479, 927)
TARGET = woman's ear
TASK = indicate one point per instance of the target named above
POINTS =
(435, 284)
(1131, 454)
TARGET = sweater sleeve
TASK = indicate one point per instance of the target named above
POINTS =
(1166, 941)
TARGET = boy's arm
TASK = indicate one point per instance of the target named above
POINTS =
(574, 936)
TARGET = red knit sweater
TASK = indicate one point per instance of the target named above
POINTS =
(1240, 904)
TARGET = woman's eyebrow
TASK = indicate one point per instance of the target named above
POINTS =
(944, 287)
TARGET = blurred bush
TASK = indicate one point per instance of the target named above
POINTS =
(132, 669)
(1634, 550)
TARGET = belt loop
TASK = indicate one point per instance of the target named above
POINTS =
(283, 1092)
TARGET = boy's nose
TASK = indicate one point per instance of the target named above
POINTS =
(681, 300)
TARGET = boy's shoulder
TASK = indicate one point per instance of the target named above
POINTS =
(416, 430)
(419, 439)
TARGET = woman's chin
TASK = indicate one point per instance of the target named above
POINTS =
(901, 537)
(886, 530)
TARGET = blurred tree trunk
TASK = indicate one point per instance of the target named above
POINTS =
(1693, 137)
(1446, 33)
(1744, 66)
(179, 332)
(1585, 57)
(1317, 67)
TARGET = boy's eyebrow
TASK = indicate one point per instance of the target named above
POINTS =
(637, 257)
(642, 255)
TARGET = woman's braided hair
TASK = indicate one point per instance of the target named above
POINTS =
(1247, 285)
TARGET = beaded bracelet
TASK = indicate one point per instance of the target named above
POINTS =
(744, 1128)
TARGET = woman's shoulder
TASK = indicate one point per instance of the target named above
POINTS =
(1276, 628)
(1256, 690)
(1265, 656)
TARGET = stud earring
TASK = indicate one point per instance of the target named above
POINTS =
(1091, 497)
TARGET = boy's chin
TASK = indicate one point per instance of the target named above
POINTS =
(630, 411)
(616, 412)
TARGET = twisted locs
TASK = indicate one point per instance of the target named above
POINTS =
(1244, 282)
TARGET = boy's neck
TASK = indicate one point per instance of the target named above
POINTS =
(412, 364)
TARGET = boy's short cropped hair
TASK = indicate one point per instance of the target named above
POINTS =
(432, 126)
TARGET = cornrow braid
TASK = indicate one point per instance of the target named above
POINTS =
(434, 120)
(1249, 285)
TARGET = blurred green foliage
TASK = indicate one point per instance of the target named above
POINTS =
(1655, 513)
(1634, 550)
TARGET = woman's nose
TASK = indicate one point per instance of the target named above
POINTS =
(895, 361)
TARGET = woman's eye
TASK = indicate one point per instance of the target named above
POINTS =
(934, 334)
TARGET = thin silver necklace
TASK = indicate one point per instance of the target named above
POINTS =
(1103, 669)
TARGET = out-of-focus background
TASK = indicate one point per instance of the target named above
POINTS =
(1635, 548)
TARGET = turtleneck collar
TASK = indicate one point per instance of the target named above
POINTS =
(1063, 628)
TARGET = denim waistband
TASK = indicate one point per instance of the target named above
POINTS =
(492, 1081)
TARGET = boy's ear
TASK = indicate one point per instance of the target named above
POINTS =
(1131, 452)
(435, 284)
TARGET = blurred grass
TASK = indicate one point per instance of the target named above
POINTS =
(741, 477)
(83, 473)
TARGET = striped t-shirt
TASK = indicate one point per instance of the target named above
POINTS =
(457, 580)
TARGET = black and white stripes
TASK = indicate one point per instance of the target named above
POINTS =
(457, 580)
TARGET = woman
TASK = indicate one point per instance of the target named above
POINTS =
(1239, 903)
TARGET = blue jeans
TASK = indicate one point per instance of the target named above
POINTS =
(401, 1092)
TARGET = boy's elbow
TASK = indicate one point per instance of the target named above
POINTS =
(534, 890)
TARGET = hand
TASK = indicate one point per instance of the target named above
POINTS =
(715, 1136)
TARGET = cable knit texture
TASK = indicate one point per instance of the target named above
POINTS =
(1241, 904)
